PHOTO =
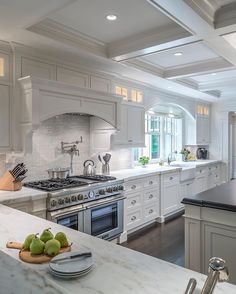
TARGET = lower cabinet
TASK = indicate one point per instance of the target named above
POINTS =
(186, 190)
(170, 193)
(142, 202)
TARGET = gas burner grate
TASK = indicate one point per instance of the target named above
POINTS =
(55, 184)
(99, 178)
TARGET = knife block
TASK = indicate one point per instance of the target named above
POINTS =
(8, 183)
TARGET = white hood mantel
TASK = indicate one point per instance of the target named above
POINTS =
(43, 99)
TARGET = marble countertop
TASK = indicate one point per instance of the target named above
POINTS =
(25, 194)
(117, 269)
(138, 171)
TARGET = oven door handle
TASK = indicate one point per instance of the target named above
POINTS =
(56, 214)
(104, 202)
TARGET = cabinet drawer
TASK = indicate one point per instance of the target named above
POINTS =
(134, 219)
(201, 171)
(151, 195)
(171, 178)
(132, 186)
(134, 201)
(151, 181)
(150, 212)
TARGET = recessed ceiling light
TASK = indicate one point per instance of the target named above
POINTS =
(178, 54)
(213, 74)
(111, 17)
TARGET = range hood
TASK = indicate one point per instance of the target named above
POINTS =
(43, 99)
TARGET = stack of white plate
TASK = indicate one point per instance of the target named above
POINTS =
(70, 268)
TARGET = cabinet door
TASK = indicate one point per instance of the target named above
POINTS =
(132, 131)
(4, 67)
(136, 132)
(38, 69)
(72, 77)
(170, 198)
(186, 190)
(202, 130)
(4, 117)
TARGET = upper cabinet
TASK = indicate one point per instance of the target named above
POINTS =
(132, 130)
(4, 117)
(30, 67)
(197, 132)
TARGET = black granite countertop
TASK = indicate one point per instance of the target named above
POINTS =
(221, 197)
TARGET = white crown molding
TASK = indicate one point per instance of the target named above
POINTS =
(225, 15)
(62, 33)
(188, 83)
(216, 93)
(145, 42)
(217, 83)
(197, 68)
(146, 66)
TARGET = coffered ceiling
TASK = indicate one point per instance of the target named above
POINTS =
(141, 44)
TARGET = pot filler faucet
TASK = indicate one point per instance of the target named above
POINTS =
(217, 272)
(71, 149)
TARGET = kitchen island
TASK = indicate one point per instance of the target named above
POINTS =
(210, 228)
(117, 269)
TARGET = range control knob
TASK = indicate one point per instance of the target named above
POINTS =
(109, 190)
(53, 203)
(102, 192)
(61, 201)
(73, 198)
(67, 200)
(80, 197)
(115, 188)
(91, 194)
(121, 187)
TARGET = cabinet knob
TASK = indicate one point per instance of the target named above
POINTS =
(133, 187)
(150, 182)
(150, 196)
(171, 178)
(130, 140)
(200, 171)
(133, 218)
(150, 211)
(133, 202)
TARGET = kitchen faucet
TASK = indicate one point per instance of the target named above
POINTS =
(217, 272)
(71, 149)
(169, 159)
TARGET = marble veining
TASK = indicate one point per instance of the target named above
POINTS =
(117, 269)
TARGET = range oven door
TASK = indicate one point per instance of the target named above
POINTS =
(72, 218)
(104, 219)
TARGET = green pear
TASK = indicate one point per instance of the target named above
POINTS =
(27, 242)
(52, 247)
(46, 235)
(37, 246)
(61, 237)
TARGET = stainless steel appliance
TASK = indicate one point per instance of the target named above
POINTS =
(105, 163)
(89, 168)
(90, 204)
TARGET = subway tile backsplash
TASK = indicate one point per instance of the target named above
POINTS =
(47, 148)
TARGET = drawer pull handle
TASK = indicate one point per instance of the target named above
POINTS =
(151, 182)
(200, 171)
(150, 196)
(133, 218)
(133, 187)
(133, 202)
(130, 140)
(150, 211)
(171, 178)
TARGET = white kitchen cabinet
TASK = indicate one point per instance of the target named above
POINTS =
(4, 117)
(186, 190)
(72, 77)
(132, 132)
(203, 137)
(4, 67)
(142, 203)
(35, 68)
(170, 193)
(100, 84)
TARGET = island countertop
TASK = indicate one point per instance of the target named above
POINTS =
(220, 197)
(117, 269)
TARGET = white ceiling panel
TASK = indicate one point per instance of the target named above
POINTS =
(191, 53)
(88, 17)
(224, 75)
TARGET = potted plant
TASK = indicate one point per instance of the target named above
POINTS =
(185, 152)
(143, 160)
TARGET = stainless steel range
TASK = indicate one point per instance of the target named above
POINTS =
(90, 204)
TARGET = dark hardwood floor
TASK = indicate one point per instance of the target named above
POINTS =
(164, 241)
